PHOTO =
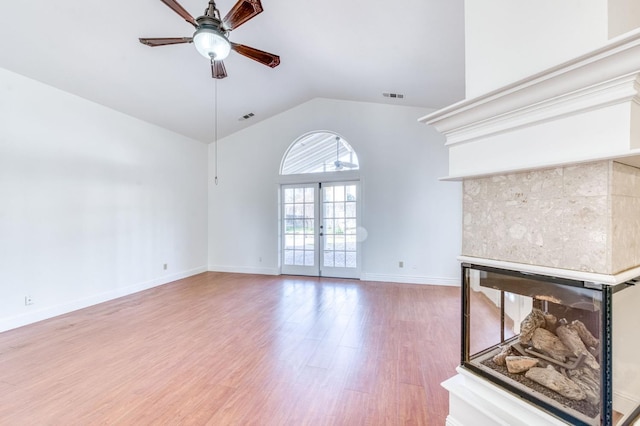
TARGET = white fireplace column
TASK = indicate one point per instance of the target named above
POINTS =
(553, 90)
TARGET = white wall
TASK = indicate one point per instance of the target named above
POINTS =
(624, 16)
(507, 40)
(92, 203)
(409, 214)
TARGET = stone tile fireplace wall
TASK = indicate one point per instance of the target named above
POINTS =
(582, 217)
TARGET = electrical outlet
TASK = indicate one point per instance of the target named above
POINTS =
(28, 300)
(164, 266)
(401, 264)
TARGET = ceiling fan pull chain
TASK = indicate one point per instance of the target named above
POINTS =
(215, 122)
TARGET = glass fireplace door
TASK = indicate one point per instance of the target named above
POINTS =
(550, 341)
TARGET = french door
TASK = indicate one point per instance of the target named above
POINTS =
(319, 224)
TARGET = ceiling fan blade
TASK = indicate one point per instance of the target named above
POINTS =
(218, 70)
(180, 11)
(154, 42)
(266, 58)
(349, 165)
(241, 12)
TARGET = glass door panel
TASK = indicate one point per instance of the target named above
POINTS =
(339, 227)
(299, 229)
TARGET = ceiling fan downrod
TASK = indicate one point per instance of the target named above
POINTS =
(212, 11)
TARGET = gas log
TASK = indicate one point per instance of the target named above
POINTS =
(500, 359)
(520, 364)
(572, 340)
(557, 355)
(531, 322)
(587, 380)
(556, 381)
(549, 343)
(585, 335)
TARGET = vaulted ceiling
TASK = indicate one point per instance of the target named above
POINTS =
(342, 49)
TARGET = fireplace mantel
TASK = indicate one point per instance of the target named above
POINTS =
(583, 110)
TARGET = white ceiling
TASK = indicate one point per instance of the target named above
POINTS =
(342, 49)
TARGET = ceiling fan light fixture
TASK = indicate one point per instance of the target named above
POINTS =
(211, 44)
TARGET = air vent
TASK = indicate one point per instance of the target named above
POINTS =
(246, 116)
(393, 95)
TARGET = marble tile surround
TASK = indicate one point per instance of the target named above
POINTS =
(584, 217)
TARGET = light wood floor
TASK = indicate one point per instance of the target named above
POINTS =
(227, 349)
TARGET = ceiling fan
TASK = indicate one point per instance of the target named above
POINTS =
(211, 34)
(342, 164)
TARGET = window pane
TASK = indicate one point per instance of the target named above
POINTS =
(289, 241)
(309, 241)
(289, 226)
(309, 211)
(308, 258)
(328, 193)
(299, 257)
(328, 242)
(339, 259)
(350, 228)
(328, 259)
(316, 152)
(299, 241)
(338, 193)
(288, 211)
(328, 210)
(288, 257)
(350, 209)
(308, 195)
(351, 260)
(328, 227)
(351, 193)
(288, 195)
(299, 195)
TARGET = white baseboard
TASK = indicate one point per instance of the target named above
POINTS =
(244, 270)
(53, 311)
(408, 279)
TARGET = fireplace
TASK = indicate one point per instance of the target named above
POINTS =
(550, 172)
(548, 340)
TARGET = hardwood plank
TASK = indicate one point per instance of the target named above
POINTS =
(363, 374)
(412, 410)
(384, 399)
(221, 348)
(353, 408)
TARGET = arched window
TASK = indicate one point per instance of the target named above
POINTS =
(319, 152)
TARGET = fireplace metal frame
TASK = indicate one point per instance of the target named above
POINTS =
(607, 291)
